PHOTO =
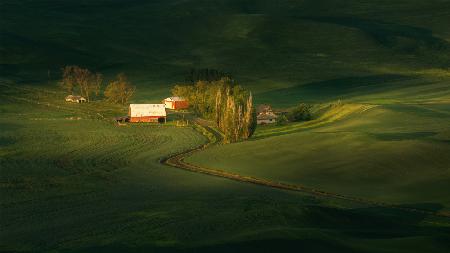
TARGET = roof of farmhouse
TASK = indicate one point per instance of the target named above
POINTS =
(263, 108)
(265, 116)
(175, 99)
(74, 97)
(143, 110)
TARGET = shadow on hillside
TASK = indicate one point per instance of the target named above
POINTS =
(270, 245)
(319, 229)
(336, 88)
(403, 136)
(404, 38)
(368, 223)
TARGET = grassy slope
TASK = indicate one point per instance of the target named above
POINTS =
(71, 181)
(393, 153)
(265, 45)
(63, 188)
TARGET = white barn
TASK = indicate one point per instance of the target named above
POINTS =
(75, 99)
(147, 113)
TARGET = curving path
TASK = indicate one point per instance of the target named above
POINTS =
(177, 160)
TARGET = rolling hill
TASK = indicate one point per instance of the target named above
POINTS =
(71, 181)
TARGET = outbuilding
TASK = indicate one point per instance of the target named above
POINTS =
(147, 113)
(265, 115)
(269, 118)
(176, 103)
(75, 99)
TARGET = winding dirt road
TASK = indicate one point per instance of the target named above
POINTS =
(178, 161)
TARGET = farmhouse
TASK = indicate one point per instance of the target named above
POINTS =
(176, 103)
(262, 119)
(75, 99)
(265, 115)
(147, 113)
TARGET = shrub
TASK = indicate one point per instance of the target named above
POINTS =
(301, 112)
(336, 104)
(282, 120)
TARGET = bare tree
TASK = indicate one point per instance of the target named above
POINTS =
(87, 83)
(97, 81)
(120, 90)
(83, 78)
(68, 79)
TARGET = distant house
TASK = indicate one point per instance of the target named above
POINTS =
(147, 113)
(265, 115)
(264, 108)
(75, 99)
(266, 119)
(176, 103)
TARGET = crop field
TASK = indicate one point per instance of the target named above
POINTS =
(375, 72)
(265, 45)
(75, 182)
(393, 153)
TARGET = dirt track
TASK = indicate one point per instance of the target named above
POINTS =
(177, 161)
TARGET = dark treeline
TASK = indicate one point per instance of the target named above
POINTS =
(208, 75)
(228, 104)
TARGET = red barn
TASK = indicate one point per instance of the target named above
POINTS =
(176, 103)
(147, 113)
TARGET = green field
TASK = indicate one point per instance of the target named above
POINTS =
(71, 180)
(393, 153)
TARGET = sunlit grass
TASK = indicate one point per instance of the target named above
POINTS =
(332, 113)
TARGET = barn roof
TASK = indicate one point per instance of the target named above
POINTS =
(175, 99)
(142, 110)
(74, 97)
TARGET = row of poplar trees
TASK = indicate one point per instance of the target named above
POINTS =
(228, 104)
